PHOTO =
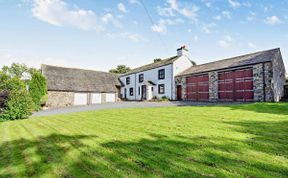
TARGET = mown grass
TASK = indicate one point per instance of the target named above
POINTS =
(214, 141)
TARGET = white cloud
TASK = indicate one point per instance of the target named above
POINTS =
(252, 16)
(161, 26)
(135, 37)
(226, 14)
(218, 17)
(165, 11)
(174, 8)
(122, 8)
(195, 38)
(273, 20)
(135, 2)
(207, 27)
(226, 42)
(252, 45)
(107, 18)
(234, 3)
(59, 13)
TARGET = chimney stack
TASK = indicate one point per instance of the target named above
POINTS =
(182, 51)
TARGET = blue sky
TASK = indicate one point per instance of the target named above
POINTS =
(100, 34)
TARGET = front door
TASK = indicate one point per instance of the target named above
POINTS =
(179, 92)
(144, 92)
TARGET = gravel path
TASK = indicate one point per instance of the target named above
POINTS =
(120, 105)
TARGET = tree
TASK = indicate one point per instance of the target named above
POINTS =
(193, 63)
(16, 102)
(38, 89)
(18, 70)
(157, 60)
(120, 69)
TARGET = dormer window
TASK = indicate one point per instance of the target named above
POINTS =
(141, 78)
(127, 80)
(161, 74)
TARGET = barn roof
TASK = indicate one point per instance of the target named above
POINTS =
(248, 59)
(79, 80)
(153, 65)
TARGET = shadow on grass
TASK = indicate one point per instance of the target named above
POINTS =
(269, 108)
(269, 137)
(159, 155)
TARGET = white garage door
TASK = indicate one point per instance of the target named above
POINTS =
(110, 97)
(96, 98)
(80, 99)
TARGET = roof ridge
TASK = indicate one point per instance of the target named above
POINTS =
(255, 57)
(47, 65)
(162, 61)
(249, 54)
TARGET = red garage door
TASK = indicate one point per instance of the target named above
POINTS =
(197, 88)
(236, 85)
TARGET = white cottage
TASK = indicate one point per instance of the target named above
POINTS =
(156, 79)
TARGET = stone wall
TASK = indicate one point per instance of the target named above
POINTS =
(181, 81)
(213, 86)
(278, 81)
(58, 99)
(258, 83)
(263, 88)
(268, 72)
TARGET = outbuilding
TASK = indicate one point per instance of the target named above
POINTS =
(69, 86)
(252, 77)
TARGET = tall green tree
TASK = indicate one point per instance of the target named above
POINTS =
(38, 89)
(120, 69)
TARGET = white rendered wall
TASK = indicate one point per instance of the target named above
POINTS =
(179, 66)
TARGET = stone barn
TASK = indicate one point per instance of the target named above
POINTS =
(252, 77)
(68, 86)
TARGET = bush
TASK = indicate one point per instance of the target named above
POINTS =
(17, 103)
(38, 90)
(164, 98)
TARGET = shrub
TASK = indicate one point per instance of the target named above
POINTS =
(154, 99)
(38, 90)
(164, 98)
(17, 103)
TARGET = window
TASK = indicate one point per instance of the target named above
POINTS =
(141, 78)
(138, 90)
(161, 74)
(127, 80)
(161, 89)
(131, 91)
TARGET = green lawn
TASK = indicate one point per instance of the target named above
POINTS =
(214, 141)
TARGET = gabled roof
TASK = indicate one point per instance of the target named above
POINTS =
(161, 63)
(248, 59)
(79, 80)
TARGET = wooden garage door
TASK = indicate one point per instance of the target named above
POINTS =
(197, 88)
(236, 85)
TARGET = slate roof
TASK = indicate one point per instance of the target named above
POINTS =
(248, 59)
(79, 80)
(152, 65)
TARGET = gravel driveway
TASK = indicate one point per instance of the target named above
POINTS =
(121, 105)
